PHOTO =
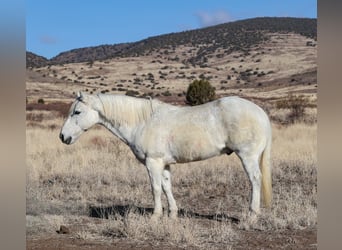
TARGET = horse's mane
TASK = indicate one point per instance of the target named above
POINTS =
(126, 110)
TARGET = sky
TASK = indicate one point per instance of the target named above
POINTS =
(56, 26)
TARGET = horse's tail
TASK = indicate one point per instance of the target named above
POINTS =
(266, 171)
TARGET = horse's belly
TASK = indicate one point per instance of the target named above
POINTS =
(194, 148)
(193, 154)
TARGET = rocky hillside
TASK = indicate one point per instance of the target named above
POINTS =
(228, 38)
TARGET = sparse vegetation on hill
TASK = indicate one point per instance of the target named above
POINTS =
(229, 37)
(33, 60)
(89, 54)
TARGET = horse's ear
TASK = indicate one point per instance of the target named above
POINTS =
(80, 96)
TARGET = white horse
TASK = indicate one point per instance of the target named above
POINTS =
(160, 134)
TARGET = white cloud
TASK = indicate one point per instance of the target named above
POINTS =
(208, 19)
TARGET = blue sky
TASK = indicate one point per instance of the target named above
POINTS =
(58, 25)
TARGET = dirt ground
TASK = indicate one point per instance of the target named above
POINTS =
(250, 239)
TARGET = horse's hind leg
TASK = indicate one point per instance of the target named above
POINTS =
(155, 168)
(251, 166)
(166, 185)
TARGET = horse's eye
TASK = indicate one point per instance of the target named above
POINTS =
(77, 112)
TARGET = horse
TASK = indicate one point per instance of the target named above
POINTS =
(161, 134)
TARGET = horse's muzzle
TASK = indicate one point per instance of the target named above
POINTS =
(66, 141)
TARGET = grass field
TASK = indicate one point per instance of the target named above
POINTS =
(101, 193)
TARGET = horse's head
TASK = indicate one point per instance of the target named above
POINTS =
(83, 115)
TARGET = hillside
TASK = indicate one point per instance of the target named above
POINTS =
(34, 61)
(228, 37)
(277, 58)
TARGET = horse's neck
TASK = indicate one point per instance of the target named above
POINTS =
(122, 117)
(122, 135)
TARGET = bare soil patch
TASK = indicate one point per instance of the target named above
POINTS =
(303, 239)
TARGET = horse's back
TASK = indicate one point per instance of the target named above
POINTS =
(236, 108)
(235, 101)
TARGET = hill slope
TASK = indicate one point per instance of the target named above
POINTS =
(33, 60)
(261, 58)
(230, 37)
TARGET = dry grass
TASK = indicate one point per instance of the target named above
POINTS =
(64, 182)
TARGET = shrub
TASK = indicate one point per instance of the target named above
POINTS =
(132, 93)
(166, 93)
(41, 101)
(296, 104)
(199, 92)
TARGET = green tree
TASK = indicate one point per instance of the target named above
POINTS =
(199, 92)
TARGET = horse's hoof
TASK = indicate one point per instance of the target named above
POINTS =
(252, 217)
(156, 217)
(173, 215)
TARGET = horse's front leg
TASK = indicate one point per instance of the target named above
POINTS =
(155, 169)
